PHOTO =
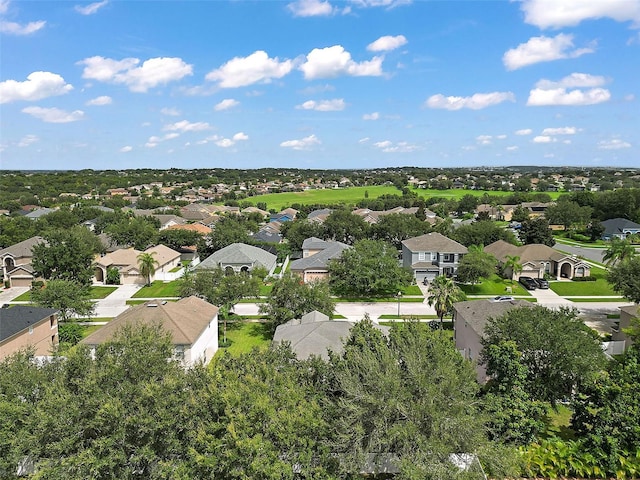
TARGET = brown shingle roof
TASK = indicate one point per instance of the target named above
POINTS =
(434, 242)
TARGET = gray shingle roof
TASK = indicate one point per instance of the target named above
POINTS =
(478, 312)
(238, 254)
(320, 259)
(434, 242)
(16, 319)
(22, 249)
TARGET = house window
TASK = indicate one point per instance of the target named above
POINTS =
(434, 256)
(448, 257)
(421, 256)
(179, 352)
(52, 322)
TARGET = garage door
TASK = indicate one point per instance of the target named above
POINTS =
(21, 281)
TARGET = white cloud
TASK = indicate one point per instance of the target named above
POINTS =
(152, 72)
(387, 43)
(54, 115)
(38, 85)
(524, 131)
(91, 8)
(484, 139)
(364, 140)
(568, 13)
(543, 139)
(560, 131)
(126, 149)
(614, 144)
(311, 8)
(99, 101)
(501, 136)
(548, 92)
(388, 146)
(512, 148)
(334, 61)
(28, 140)
(560, 96)
(225, 143)
(240, 136)
(226, 104)
(371, 116)
(13, 28)
(4, 6)
(334, 105)
(475, 102)
(170, 112)
(380, 3)
(243, 71)
(186, 126)
(542, 49)
(302, 144)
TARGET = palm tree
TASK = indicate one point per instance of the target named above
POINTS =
(618, 251)
(443, 293)
(513, 262)
(147, 265)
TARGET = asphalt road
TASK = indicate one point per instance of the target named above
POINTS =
(594, 254)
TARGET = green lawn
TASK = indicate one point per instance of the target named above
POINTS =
(558, 422)
(96, 293)
(159, 290)
(585, 289)
(411, 290)
(265, 290)
(244, 336)
(379, 299)
(494, 285)
(459, 193)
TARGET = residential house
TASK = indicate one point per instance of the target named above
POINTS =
(537, 260)
(431, 255)
(39, 213)
(315, 334)
(240, 257)
(18, 255)
(125, 260)
(319, 216)
(373, 216)
(168, 221)
(286, 215)
(469, 321)
(24, 327)
(257, 210)
(619, 228)
(191, 322)
(536, 209)
(316, 254)
(496, 212)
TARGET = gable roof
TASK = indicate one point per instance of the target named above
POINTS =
(478, 312)
(22, 249)
(532, 253)
(321, 259)
(238, 254)
(163, 254)
(434, 242)
(16, 319)
(618, 226)
(315, 334)
(185, 320)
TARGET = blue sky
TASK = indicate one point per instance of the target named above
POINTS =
(319, 84)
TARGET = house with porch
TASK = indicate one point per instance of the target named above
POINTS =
(239, 257)
(316, 255)
(431, 255)
(538, 260)
(125, 260)
(15, 265)
(619, 228)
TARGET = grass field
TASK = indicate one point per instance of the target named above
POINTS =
(352, 195)
(494, 285)
(159, 290)
(242, 337)
(96, 293)
(585, 289)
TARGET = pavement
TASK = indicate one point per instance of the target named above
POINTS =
(116, 303)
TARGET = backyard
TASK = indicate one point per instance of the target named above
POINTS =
(243, 336)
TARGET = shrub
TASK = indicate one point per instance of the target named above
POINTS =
(584, 279)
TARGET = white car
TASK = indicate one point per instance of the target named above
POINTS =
(502, 298)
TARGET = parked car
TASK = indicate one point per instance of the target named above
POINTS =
(528, 283)
(542, 283)
(502, 298)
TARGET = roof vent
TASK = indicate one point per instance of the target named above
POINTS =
(152, 304)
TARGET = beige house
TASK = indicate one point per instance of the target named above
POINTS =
(627, 313)
(23, 327)
(316, 254)
(538, 259)
(126, 261)
(469, 321)
(16, 256)
(191, 322)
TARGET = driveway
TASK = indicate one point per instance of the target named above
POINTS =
(8, 294)
(116, 303)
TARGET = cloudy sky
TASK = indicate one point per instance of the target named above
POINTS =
(319, 83)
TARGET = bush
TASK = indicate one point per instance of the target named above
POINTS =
(37, 284)
(584, 279)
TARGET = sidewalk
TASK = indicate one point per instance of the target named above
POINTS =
(8, 294)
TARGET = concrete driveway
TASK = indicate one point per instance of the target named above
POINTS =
(116, 302)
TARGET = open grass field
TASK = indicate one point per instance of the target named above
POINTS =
(585, 289)
(495, 285)
(352, 195)
(244, 336)
(159, 290)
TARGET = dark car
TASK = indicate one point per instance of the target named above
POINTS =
(542, 283)
(528, 283)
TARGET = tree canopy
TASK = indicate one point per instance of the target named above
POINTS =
(625, 278)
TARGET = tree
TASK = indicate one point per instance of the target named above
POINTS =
(619, 250)
(147, 265)
(483, 232)
(536, 230)
(512, 263)
(443, 293)
(408, 397)
(298, 231)
(514, 417)
(176, 238)
(369, 268)
(396, 227)
(66, 255)
(291, 298)
(68, 297)
(595, 229)
(558, 349)
(520, 214)
(568, 213)
(467, 203)
(625, 278)
(345, 226)
(475, 265)
(137, 232)
(227, 230)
